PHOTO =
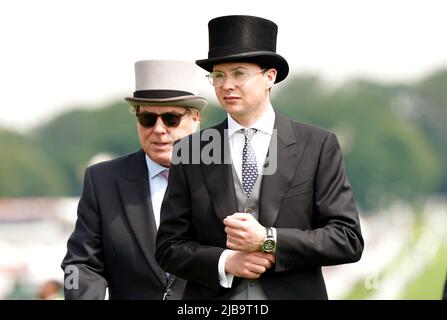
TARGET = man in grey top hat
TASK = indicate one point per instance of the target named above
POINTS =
(276, 205)
(113, 243)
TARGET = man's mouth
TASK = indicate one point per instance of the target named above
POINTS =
(231, 98)
(161, 144)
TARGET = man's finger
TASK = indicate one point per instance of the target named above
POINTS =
(233, 223)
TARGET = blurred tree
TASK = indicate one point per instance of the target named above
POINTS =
(428, 104)
(74, 137)
(386, 156)
(392, 137)
(212, 115)
(27, 170)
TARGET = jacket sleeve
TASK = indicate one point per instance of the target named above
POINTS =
(335, 237)
(84, 262)
(178, 251)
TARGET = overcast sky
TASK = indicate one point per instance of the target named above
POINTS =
(59, 54)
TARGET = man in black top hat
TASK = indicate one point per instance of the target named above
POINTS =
(113, 243)
(274, 205)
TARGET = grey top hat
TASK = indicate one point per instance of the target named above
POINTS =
(244, 39)
(166, 83)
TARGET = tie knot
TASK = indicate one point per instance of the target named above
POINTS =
(248, 133)
(165, 173)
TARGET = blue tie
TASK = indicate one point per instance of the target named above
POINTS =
(249, 164)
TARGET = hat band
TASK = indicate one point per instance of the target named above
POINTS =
(230, 50)
(160, 94)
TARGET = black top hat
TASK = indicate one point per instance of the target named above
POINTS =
(244, 39)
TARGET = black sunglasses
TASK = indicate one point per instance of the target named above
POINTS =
(170, 119)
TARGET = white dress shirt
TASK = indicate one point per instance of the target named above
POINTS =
(158, 185)
(261, 140)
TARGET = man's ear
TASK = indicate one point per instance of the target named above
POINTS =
(196, 116)
(196, 121)
(271, 76)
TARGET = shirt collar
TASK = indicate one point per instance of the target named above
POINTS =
(265, 123)
(153, 167)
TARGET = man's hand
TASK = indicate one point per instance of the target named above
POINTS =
(248, 265)
(244, 233)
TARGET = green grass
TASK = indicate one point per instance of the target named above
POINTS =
(430, 284)
(360, 291)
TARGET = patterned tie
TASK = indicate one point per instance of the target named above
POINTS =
(165, 173)
(249, 165)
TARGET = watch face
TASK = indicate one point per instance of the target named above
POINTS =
(269, 245)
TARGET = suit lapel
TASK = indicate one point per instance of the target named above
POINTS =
(275, 186)
(135, 196)
(219, 177)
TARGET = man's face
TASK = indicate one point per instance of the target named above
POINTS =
(247, 97)
(157, 141)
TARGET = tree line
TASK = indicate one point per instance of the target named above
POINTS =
(392, 136)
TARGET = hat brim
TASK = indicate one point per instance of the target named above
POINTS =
(196, 102)
(263, 58)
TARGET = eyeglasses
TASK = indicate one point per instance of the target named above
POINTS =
(237, 77)
(170, 119)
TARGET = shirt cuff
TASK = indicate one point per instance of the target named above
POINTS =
(225, 278)
(275, 236)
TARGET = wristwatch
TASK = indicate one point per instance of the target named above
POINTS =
(268, 245)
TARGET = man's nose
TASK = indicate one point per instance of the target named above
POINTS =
(228, 83)
(159, 126)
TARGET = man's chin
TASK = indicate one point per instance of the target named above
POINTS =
(162, 158)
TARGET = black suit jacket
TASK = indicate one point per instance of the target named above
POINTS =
(309, 200)
(113, 243)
